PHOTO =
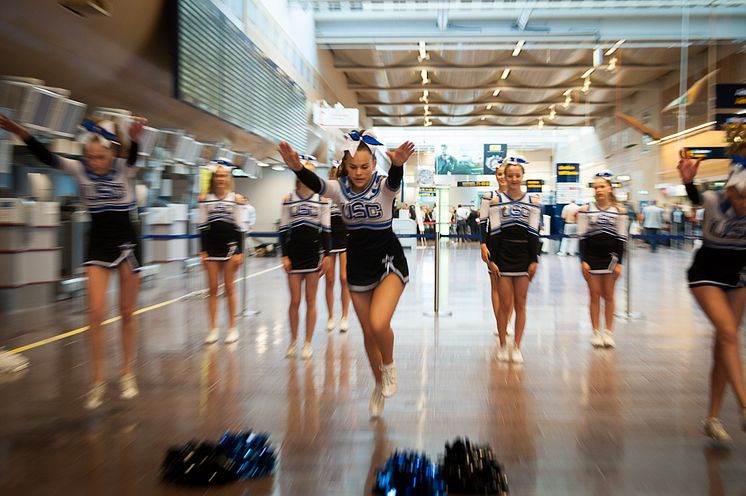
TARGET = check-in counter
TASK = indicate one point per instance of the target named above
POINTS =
(166, 221)
(405, 226)
(29, 253)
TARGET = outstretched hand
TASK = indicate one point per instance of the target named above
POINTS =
(136, 128)
(399, 156)
(687, 167)
(290, 156)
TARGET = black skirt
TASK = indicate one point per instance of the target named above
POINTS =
(339, 235)
(112, 241)
(220, 242)
(600, 254)
(722, 268)
(304, 256)
(371, 256)
(511, 256)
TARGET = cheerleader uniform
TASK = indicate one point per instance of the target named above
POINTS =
(373, 249)
(305, 232)
(219, 224)
(110, 201)
(721, 261)
(339, 231)
(603, 234)
(513, 239)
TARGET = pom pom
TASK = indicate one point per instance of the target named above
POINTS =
(411, 474)
(198, 464)
(472, 469)
(251, 452)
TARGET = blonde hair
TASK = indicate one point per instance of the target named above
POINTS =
(231, 186)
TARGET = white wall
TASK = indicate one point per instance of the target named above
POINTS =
(266, 195)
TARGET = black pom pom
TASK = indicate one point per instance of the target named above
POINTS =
(198, 464)
(473, 469)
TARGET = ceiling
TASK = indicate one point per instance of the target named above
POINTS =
(441, 63)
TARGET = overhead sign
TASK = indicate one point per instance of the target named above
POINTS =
(347, 118)
(492, 155)
(730, 95)
(568, 173)
(722, 119)
(472, 184)
(428, 192)
(534, 185)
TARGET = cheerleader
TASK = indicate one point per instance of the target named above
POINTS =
(221, 216)
(602, 229)
(717, 278)
(339, 249)
(105, 185)
(484, 212)
(512, 252)
(305, 238)
(377, 269)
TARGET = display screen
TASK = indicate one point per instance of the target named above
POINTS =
(221, 71)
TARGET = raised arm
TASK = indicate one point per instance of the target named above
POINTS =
(292, 160)
(398, 158)
(688, 171)
(40, 151)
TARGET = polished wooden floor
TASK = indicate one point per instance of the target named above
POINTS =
(572, 420)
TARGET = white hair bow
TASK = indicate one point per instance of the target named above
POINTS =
(213, 165)
(353, 139)
(737, 177)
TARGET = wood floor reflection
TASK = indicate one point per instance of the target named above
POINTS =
(572, 420)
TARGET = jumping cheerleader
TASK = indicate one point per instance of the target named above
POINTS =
(377, 269)
(105, 185)
(717, 277)
(339, 248)
(305, 237)
(512, 252)
(220, 221)
(602, 228)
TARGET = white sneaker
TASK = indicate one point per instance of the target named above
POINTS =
(212, 336)
(503, 353)
(292, 349)
(715, 431)
(608, 339)
(307, 351)
(377, 402)
(11, 363)
(389, 380)
(232, 336)
(516, 356)
(344, 326)
(95, 396)
(330, 324)
(560, 254)
(128, 387)
(597, 340)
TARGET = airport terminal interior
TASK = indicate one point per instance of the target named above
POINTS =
(519, 268)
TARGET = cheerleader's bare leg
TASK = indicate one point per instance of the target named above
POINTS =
(98, 281)
(129, 285)
(362, 303)
(312, 287)
(229, 276)
(343, 284)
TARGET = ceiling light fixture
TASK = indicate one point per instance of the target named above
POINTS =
(483, 118)
(587, 73)
(489, 106)
(428, 122)
(518, 47)
(612, 64)
(586, 85)
(541, 123)
(496, 92)
(567, 92)
(425, 96)
(506, 73)
(423, 75)
(423, 53)
(615, 47)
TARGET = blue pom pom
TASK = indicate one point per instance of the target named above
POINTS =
(408, 473)
(252, 453)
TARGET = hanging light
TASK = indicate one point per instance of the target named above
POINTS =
(425, 96)
(427, 110)
(518, 47)
(496, 92)
(505, 74)
(423, 53)
(615, 47)
(612, 64)
(541, 123)
(586, 85)
(552, 113)
(423, 75)
(587, 73)
(489, 106)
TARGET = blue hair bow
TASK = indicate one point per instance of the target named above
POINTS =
(94, 129)
(605, 175)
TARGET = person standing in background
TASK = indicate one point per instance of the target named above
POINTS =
(569, 246)
(652, 222)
